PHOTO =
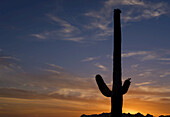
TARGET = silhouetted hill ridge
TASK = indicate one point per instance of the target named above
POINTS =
(123, 115)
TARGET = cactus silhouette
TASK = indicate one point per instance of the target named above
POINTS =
(117, 89)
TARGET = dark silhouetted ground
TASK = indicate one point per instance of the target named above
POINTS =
(124, 115)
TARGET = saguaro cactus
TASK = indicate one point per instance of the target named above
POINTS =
(117, 89)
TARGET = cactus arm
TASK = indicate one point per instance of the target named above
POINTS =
(126, 86)
(103, 87)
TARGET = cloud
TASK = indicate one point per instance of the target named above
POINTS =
(145, 93)
(60, 105)
(19, 93)
(52, 71)
(96, 25)
(143, 83)
(130, 54)
(159, 55)
(39, 36)
(89, 59)
(80, 95)
(134, 66)
(64, 87)
(165, 74)
(132, 11)
(54, 80)
(78, 32)
(51, 77)
(64, 31)
(55, 66)
(164, 56)
(164, 59)
(8, 63)
(158, 89)
(76, 94)
(149, 57)
(75, 39)
(142, 55)
(61, 86)
(149, 93)
(109, 56)
(124, 2)
(136, 10)
(145, 74)
(67, 27)
(102, 67)
(9, 58)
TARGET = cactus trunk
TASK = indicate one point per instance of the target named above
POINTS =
(117, 89)
(116, 97)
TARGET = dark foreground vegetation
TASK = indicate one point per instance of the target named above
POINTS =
(123, 115)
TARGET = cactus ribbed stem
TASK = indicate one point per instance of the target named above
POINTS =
(117, 98)
(117, 89)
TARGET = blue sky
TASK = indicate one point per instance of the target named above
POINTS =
(49, 47)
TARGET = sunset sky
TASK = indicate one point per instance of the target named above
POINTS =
(51, 50)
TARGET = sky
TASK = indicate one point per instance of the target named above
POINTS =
(51, 50)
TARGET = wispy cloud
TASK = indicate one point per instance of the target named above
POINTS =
(68, 87)
(19, 93)
(158, 55)
(66, 27)
(39, 36)
(136, 10)
(143, 83)
(142, 91)
(55, 66)
(134, 66)
(142, 55)
(133, 10)
(145, 74)
(166, 73)
(164, 59)
(9, 58)
(149, 57)
(52, 71)
(150, 93)
(53, 85)
(90, 59)
(102, 67)
(9, 63)
(64, 31)
(130, 54)
(124, 2)
(75, 39)
(97, 24)
(160, 89)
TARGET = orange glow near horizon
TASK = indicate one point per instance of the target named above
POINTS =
(131, 111)
(52, 50)
(63, 108)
